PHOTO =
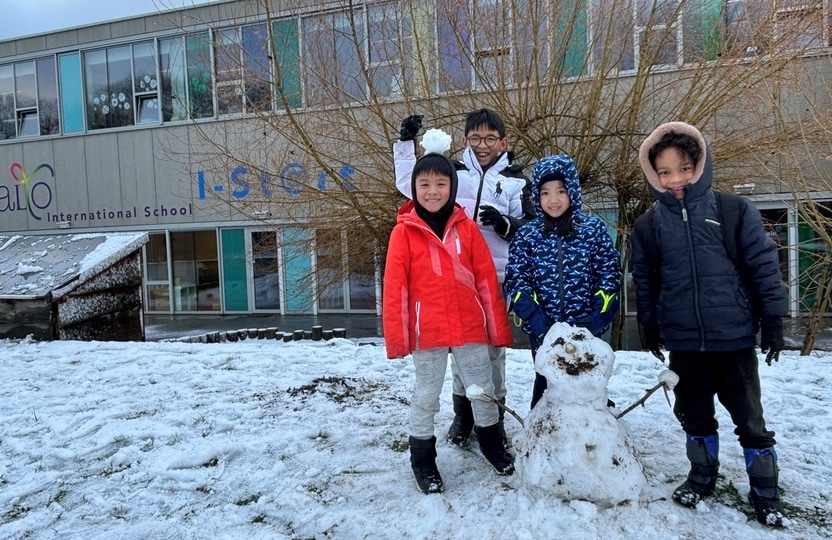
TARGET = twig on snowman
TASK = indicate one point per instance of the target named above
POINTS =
(667, 381)
(476, 392)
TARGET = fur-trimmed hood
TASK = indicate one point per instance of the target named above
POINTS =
(703, 174)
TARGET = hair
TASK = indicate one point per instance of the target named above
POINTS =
(434, 163)
(487, 118)
(686, 144)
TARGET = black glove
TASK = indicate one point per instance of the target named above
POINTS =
(491, 216)
(604, 307)
(527, 309)
(652, 340)
(771, 338)
(410, 127)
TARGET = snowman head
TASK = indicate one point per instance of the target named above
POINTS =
(577, 365)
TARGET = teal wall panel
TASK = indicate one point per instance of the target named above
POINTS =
(234, 269)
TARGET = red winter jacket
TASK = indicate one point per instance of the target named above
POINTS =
(440, 293)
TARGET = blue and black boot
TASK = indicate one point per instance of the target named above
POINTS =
(761, 465)
(703, 453)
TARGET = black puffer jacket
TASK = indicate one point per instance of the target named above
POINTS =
(703, 302)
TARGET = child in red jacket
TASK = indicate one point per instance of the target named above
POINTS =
(441, 295)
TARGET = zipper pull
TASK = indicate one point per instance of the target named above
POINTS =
(684, 214)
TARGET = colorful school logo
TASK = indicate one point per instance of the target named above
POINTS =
(35, 194)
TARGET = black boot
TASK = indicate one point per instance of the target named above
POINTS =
(703, 454)
(493, 449)
(423, 462)
(463, 423)
(761, 465)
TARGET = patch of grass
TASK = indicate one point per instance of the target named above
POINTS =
(400, 446)
(204, 489)
(253, 498)
(259, 518)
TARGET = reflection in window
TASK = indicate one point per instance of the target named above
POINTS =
(266, 270)
(332, 64)
(47, 81)
(362, 271)
(173, 79)
(195, 271)
(156, 273)
(29, 99)
(257, 68)
(453, 28)
(200, 91)
(384, 50)
(109, 85)
(228, 64)
(330, 273)
(145, 83)
(7, 116)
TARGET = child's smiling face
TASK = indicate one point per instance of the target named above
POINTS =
(432, 190)
(675, 170)
(554, 199)
(489, 145)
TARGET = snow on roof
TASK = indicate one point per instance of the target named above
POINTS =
(32, 267)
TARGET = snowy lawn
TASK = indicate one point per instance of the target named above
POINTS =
(301, 440)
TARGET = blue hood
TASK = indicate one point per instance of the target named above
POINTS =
(562, 167)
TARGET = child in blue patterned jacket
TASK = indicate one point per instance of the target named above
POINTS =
(562, 265)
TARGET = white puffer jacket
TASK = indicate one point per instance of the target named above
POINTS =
(475, 189)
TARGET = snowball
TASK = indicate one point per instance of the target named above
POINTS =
(669, 379)
(474, 391)
(436, 141)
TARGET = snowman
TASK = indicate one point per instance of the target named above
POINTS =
(573, 447)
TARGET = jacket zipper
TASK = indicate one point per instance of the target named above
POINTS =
(694, 276)
(416, 326)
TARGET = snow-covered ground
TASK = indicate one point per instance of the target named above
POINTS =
(301, 440)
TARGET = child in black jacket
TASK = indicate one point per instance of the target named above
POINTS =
(707, 310)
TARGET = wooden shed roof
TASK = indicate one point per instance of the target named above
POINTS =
(50, 267)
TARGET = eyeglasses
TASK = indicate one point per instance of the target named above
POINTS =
(490, 141)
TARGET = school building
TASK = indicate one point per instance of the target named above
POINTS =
(110, 128)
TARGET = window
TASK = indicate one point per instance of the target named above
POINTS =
(29, 99)
(227, 62)
(332, 44)
(492, 47)
(799, 25)
(257, 68)
(109, 85)
(361, 261)
(266, 269)
(145, 83)
(196, 283)
(330, 273)
(156, 273)
(287, 62)
(200, 89)
(659, 32)
(385, 50)
(453, 31)
(174, 80)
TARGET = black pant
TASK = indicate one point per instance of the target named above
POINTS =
(731, 376)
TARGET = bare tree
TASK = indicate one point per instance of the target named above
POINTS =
(586, 78)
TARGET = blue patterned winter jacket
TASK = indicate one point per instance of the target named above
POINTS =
(563, 274)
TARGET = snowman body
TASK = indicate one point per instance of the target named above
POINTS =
(573, 447)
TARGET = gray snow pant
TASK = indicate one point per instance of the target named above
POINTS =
(474, 365)
(498, 373)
